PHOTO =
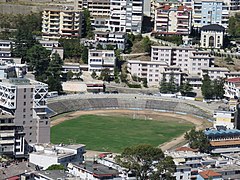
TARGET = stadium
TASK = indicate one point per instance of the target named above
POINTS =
(143, 105)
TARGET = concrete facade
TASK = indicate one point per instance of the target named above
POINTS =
(58, 23)
(212, 36)
(26, 100)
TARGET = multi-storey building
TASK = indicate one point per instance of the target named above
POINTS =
(152, 70)
(126, 16)
(115, 39)
(26, 100)
(5, 48)
(173, 20)
(232, 88)
(190, 60)
(101, 59)
(215, 72)
(12, 141)
(57, 23)
(207, 12)
(233, 5)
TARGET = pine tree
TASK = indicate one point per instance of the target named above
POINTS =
(207, 88)
(163, 85)
(171, 86)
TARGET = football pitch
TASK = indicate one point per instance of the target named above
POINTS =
(114, 133)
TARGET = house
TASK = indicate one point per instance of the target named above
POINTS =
(209, 174)
(215, 72)
(232, 88)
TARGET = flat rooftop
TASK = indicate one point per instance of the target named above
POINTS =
(97, 169)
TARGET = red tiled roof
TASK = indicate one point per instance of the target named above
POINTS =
(166, 7)
(13, 178)
(185, 149)
(209, 174)
(233, 80)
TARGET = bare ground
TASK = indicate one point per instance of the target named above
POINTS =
(151, 115)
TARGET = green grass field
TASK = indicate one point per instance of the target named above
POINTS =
(108, 133)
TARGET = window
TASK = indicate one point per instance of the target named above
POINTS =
(24, 110)
(24, 122)
(24, 103)
(46, 122)
(30, 134)
(24, 96)
(25, 90)
(24, 116)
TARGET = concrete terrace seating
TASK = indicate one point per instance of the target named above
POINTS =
(68, 105)
(161, 105)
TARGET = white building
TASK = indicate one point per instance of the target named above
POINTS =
(73, 67)
(215, 72)
(232, 74)
(212, 36)
(57, 23)
(45, 156)
(173, 20)
(93, 171)
(232, 88)
(52, 46)
(126, 16)
(190, 60)
(152, 70)
(5, 48)
(101, 59)
(225, 117)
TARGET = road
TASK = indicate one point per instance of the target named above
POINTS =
(159, 41)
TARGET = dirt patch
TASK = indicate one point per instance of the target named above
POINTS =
(147, 115)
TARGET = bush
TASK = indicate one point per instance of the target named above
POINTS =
(134, 85)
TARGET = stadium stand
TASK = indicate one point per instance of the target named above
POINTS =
(90, 103)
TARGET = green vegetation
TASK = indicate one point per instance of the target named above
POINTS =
(56, 167)
(88, 31)
(107, 133)
(173, 39)
(147, 162)
(234, 26)
(212, 89)
(198, 140)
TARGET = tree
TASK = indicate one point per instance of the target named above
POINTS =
(105, 74)
(144, 80)
(163, 85)
(54, 73)
(218, 88)
(88, 30)
(207, 88)
(93, 74)
(72, 48)
(99, 46)
(38, 58)
(145, 161)
(146, 43)
(56, 167)
(85, 55)
(69, 75)
(185, 88)
(171, 85)
(197, 140)
(116, 75)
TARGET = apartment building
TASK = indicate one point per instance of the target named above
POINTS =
(207, 12)
(190, 60)
(115, 39)
(126, 16)
(152, 70)
(173, 20)
(232, 88)
(12, 141)
(101, 59)
(57, 23)
(25, 99)
(53, 46)
(215, 72)
(233, 5)
(5, 48)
